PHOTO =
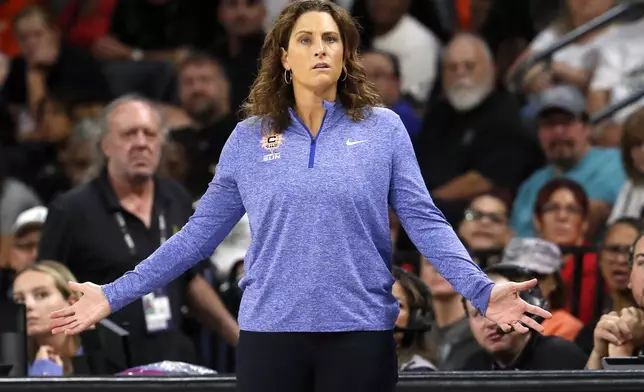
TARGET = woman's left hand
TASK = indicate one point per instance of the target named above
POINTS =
(48, 353)
(508, 310)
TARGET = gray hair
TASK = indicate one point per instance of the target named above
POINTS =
(472, 37)
(125, 99)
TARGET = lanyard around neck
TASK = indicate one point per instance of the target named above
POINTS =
(129, 241)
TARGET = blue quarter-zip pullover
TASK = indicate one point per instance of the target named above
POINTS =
(320, 253)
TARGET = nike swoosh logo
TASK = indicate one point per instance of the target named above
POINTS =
(351, 143)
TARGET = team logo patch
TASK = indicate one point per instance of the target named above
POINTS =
(271, 143)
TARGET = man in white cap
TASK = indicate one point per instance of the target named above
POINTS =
(524, 259)
(537, 258)
(26, 237)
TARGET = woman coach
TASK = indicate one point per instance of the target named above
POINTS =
(315, 166)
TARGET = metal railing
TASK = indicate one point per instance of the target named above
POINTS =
(524, 381)
(619, 12)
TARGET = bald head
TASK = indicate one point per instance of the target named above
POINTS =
(467, 43)
(133, 134)
(468, 71)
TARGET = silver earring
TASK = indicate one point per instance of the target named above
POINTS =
(346, 74)
(287, 73)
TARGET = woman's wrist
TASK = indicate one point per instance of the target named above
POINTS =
(599, 353)
(595, 360)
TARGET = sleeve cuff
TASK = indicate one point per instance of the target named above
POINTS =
(109, 294)
(482, 300)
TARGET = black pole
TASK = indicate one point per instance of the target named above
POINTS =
(13, 338)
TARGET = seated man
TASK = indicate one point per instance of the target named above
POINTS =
(397, 32)
(204, 94)
(485, 229)
(516, 351)
(473, 141)
(450, 336)
(26, 237)
(47, 66)
(383, 70)
(564, 133)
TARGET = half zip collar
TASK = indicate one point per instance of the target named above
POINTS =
(330, 114)
(334, 111)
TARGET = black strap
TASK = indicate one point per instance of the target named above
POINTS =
(129, 241)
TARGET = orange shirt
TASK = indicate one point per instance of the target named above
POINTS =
(463, 14)
(588, 284)
(562, 324)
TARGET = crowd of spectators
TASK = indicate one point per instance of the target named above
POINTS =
(532, 187)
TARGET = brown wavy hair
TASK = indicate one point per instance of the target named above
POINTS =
(632, 136)
(270, 97)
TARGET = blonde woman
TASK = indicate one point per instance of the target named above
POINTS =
(43, 288)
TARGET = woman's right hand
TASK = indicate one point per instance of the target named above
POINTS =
(633, 317)
(48, 353)
(610, 330)
(91, 308)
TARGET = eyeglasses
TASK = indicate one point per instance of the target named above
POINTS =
(618, 249)
(552, 207)
(475, 215)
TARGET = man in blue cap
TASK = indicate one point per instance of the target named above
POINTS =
(564, 134)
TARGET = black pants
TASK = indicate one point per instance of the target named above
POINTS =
(317, 362)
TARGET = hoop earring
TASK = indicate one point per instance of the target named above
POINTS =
(346, 74)
(286, 79)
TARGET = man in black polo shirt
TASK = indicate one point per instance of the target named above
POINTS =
(515, 351)
(106, 227)
(472, 140)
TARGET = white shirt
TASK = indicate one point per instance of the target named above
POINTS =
(629, 202)
(579, 55)
(417, 49)
(620, 68)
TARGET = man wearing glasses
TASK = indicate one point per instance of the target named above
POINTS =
(485, 229)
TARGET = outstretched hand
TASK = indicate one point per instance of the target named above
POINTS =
(91, 308)
(509, 310)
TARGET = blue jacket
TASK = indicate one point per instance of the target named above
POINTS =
(320, 253)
